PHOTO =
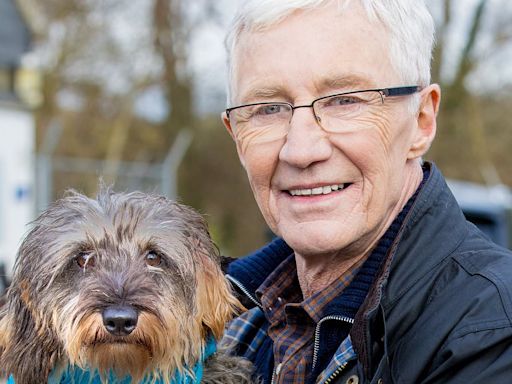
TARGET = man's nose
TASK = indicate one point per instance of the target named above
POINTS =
(306, 142)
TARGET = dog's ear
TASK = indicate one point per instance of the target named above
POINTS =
(5, 330)
(216, 304)
(28, 350)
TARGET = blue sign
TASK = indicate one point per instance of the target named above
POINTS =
(23, 193)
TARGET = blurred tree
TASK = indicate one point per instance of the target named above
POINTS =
(467, 145)
(214, 181)
(99, 58)
(171, 35)
(210, 179)
(117, 76)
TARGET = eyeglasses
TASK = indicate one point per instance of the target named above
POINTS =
(271, 120)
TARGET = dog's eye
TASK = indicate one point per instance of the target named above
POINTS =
(153, 259)
(85, 259)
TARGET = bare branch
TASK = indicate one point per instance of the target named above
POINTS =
(467, 62)
(441, 40)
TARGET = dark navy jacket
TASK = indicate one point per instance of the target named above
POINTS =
(438, 311)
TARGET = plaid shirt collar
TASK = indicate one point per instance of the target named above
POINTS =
(281, 289)
(293, 319)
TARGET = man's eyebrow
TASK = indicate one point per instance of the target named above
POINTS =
(351, 82)
(272, 93)
(260, 93)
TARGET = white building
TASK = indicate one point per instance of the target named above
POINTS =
(17, 138)
(16, 177)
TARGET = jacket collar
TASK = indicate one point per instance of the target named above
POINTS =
(429, 235)
(431, 232)
(251, 271)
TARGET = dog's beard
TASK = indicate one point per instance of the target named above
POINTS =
(120, 359)
(155, 349)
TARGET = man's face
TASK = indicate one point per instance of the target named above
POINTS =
(310, 55)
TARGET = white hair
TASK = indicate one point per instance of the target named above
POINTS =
(408, 22)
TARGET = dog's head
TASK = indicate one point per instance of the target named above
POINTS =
(128, 283)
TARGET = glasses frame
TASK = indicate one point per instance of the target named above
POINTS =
(384, 92)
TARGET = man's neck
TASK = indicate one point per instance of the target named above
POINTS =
(316, 276)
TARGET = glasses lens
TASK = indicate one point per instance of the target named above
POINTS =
(261, 122)
(345, 107)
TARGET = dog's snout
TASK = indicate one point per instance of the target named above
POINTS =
(120, 320)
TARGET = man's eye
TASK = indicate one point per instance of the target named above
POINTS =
(343, 100)
(270, 109)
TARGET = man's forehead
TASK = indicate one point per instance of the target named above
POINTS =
(322, 50)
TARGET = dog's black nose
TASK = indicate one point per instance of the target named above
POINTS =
(120, 320)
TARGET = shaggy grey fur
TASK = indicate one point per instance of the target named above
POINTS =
(142, 251)
(225, 369)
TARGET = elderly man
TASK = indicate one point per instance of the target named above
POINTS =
(376, 276)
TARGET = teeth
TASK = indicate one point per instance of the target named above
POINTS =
(317, 191)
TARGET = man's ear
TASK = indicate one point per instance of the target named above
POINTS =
(426, 121)
(227, 124)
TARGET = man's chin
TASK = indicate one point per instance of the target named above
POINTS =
(312, 241)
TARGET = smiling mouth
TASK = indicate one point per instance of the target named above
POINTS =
(326, 190)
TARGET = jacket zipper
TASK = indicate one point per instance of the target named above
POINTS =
(275, 373)
(244, 290)
(328, 380)
(336, 373)
(317, 333)
(317, 347)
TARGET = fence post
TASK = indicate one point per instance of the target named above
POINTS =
(172, 162)
(44, 176)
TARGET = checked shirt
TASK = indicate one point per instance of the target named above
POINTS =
(293, 319)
